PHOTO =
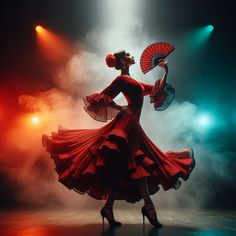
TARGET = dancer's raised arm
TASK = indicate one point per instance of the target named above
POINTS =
(162, 83)
(161, 94)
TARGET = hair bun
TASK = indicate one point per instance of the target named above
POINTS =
(110, 60)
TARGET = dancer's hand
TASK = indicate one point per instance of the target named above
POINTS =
(162, 63)
(125, 110)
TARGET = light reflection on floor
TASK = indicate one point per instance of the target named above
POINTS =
(89, 223)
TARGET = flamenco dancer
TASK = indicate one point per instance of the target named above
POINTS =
(118, 161)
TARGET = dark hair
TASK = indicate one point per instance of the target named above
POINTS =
(119, 56)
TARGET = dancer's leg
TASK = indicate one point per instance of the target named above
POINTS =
(111, 198)
(143, 190)
(107, 210)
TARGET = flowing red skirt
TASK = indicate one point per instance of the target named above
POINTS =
(94, 161)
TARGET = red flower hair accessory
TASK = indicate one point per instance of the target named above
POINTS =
(110, 60)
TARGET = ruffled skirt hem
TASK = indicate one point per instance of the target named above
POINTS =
(94, 161)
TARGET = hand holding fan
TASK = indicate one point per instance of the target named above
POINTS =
(153, 54)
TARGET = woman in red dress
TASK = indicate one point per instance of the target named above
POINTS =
(118, 161)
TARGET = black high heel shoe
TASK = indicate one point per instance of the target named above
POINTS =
(106, 212)
(146, 213)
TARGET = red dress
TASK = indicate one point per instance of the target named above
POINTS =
(93, 161)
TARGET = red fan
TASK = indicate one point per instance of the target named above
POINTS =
(153, 53)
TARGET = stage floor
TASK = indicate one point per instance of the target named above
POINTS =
(89, 223)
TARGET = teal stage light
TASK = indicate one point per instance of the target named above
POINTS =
(197, 38)
(209, 28)
(203, 33)
(205, 121)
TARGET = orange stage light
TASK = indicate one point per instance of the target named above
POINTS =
(35, 119)
(52, 47)
(39, 29)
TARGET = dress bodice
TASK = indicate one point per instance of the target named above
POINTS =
(133, 92)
